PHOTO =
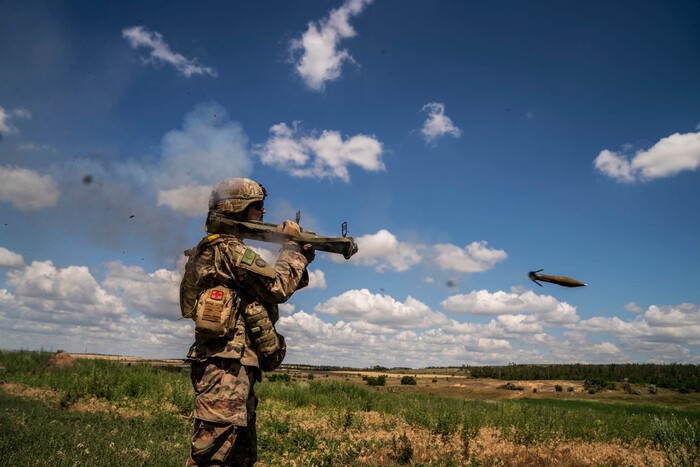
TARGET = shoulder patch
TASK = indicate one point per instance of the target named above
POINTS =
(248, 257)
(260, 263)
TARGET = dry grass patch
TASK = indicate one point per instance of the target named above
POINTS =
(92, 405)
(371, 438)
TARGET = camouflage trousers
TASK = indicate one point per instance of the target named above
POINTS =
(224, 425)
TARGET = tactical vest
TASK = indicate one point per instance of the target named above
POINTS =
(210, 267)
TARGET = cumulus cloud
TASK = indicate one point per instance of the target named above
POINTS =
(678, 324)
(546, 309)
(633, 307)
(324, 156)
(381, 310)
(286, 309)
(6, 126)
(194, 157)
(10, 259)
(317, 58)
(26, 189)
(666, 158)
(152, 294)
(501, 327)
(47, 294)
(311, 340)
(475, 257)
(317, 279)
(160, 52)
(438, 124)
(384, 251)
(67, 308)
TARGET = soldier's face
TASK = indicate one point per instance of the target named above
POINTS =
(255, 214)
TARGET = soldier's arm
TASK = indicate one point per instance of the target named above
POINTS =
(281, 281)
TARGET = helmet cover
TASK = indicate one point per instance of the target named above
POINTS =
(233, 195)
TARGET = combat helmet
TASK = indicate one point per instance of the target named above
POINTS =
(233, 195)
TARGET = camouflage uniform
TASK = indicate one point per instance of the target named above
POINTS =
(224, 370)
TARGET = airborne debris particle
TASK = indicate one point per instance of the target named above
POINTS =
(451, 284)
(131, 216)
(87, 179)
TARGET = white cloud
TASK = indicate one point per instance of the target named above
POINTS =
(311, 340)
(26, 189)
(438, 124)
(152, 294)
(668, 157)
(191, 200)
(208, 148)
(139, 36)
(502, 327)
(381, 310)
(633, 307)
(10, 259)
(317, 279)
(679, 324)
(66, 308)
(6, 126)
(546, 309)
(384, 251)
(614, 165)
(48, 294)
(429, 280)
(327, 155)
(475, 257)
(318, 59)
(286, 309)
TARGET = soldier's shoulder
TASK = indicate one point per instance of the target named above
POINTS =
(246, 258)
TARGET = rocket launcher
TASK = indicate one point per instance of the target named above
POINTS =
(267, 232)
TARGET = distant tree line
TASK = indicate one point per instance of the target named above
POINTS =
(684, 377)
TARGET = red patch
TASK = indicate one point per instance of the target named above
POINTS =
(217, 295)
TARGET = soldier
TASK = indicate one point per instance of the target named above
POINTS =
(232, 294)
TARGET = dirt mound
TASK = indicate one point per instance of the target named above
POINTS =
(61, 359)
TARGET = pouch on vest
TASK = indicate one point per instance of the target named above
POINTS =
(261, 329)
(274, 360)
(216, 309)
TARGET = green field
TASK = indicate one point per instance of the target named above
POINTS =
(100, 412)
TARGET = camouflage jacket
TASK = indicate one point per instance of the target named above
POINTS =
(225, 259)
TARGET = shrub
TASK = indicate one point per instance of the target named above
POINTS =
(279, 378)
(627, 387)
(511, 387)
(534, 389)
(558, 388)
(652, 388)
(570, 389)
(310, 377)
(597, 384)
(434, 380)
(410, 380)
(375, 381)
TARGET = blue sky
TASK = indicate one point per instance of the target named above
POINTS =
(465, 143)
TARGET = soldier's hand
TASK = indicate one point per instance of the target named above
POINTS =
(308, 251)
(290, 228)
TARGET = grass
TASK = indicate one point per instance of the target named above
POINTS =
(33, 433)
(311, 422)
(145, 387)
